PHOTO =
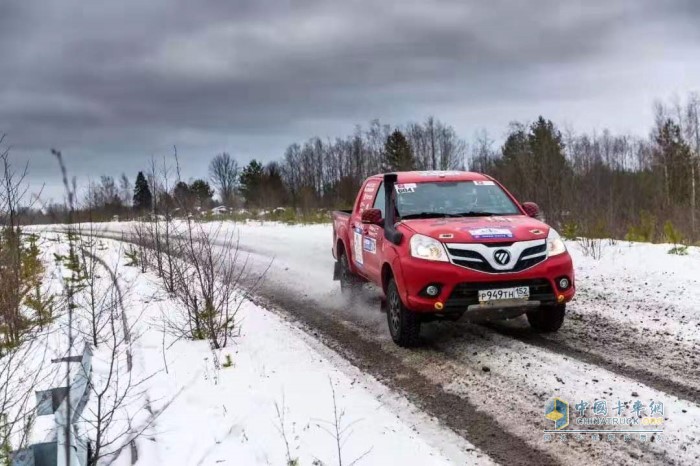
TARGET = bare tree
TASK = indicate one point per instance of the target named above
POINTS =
(692, 131)
(224, 171)
(125, 190)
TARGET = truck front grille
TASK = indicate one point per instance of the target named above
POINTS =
(474, 260)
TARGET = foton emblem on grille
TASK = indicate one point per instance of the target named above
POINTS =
(501, 256)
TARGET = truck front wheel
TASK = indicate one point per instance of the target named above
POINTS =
(547, 318)
(404, 325)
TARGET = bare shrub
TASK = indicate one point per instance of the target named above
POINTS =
(98, 301)
(283, 430)
(591, 247)
(210, 283)
(341, 430)
(141, 236)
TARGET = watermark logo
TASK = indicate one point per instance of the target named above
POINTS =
(557, 410)
(600, 419)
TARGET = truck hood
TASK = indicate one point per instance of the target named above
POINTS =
(494, 229)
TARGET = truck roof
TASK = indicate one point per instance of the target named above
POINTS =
(436, 175)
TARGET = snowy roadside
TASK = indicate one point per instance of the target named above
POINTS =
(631, 335)
(666, 284)
(275, 401)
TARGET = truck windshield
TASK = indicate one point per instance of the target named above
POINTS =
(452, 199)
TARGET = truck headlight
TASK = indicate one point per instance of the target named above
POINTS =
(425, 247)
(555, 245)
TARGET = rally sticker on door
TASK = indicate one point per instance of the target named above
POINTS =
(369, 245)
(491, 233)
(357, 245)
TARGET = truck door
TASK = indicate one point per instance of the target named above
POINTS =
(372, 239)
(363, 237)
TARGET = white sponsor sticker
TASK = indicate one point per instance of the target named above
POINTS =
(357, 246)
(439, 173)
(484, 183)
(490, 233)
(405, 188)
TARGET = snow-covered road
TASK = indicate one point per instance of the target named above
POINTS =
(631, 335)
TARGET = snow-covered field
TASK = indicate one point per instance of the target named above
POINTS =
(632, 334)
(272, 396)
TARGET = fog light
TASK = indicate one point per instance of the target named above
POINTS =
(439, 306)
(561, 298)
(432, 290)
(564, 283)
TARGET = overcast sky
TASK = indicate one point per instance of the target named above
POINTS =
(112, 83)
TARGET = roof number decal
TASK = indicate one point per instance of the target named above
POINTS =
(405, 188)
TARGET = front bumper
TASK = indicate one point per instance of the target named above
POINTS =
(459, 287)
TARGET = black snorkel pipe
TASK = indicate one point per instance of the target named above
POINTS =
(390, 232)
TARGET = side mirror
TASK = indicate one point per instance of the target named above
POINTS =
(372, 216)
(531, 209)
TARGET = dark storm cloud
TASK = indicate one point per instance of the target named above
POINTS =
(114, 82)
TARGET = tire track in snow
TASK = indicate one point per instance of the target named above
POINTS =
(595, 355)
(629, 358)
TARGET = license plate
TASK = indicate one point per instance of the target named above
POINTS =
(520, 292)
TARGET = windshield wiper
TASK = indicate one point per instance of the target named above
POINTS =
(428, 215)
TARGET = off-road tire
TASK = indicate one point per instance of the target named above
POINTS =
(404, 324)
(547, 318)
(349, 283)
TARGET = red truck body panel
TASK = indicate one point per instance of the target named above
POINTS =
(373, 258)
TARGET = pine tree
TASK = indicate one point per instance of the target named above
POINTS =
(398, 155)
(202, 192)
(143, 199)
(273, 192)
(673, 155)
(251, 183)
(552, 170)
(182, 195)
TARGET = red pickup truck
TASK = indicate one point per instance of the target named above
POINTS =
(442, 244)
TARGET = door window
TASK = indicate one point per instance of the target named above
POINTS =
(379, 200)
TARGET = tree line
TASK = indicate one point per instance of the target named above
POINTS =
(593, 184)
(600, 184)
